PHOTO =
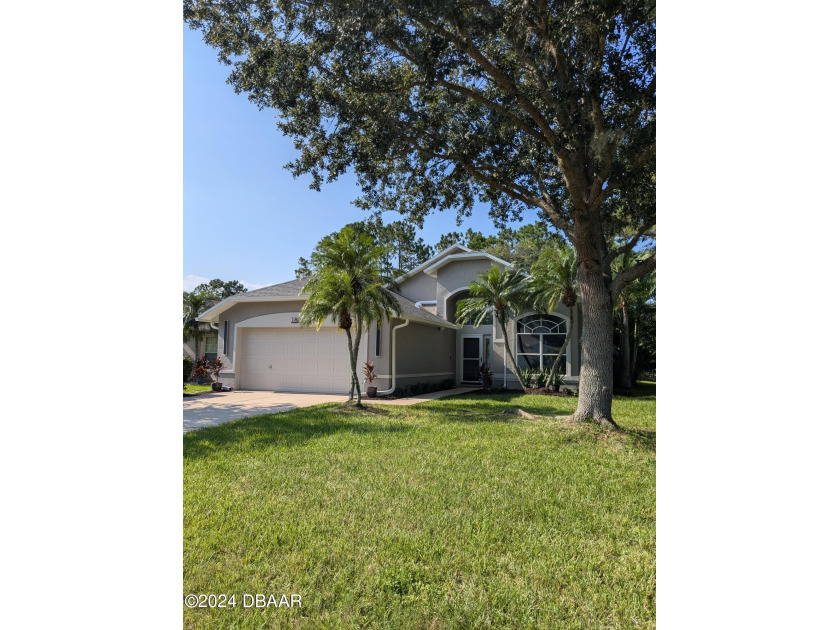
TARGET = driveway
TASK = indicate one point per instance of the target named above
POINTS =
(207, 410)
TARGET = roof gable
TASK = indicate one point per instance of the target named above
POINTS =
(452, 249)
(456, 257)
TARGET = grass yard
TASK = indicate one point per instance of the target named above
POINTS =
(192, 388)
(448, 514)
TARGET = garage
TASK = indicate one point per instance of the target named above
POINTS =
(294, 360)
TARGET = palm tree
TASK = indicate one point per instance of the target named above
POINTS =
(194, 305)
(348, 285)
(503, 292)
(630, 303)
(554, 280)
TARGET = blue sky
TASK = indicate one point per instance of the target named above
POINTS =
(245, 217)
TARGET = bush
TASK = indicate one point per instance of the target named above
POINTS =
(188, 368)
(202, 367)
(485, 375)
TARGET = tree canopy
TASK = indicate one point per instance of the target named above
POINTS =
(521, 246)
(218, 289)
(437, 104)
(401, 249)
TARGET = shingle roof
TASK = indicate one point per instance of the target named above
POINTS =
(292, 288)
(409, 309)
(284, 289)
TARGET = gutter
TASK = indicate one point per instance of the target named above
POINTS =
(390, 390)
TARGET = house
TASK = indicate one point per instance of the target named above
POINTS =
(264, 347)
(206, 344)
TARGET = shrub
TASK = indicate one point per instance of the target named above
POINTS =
(188, 368)
(370, 372)
(216, 369)
(202, 366)
(529, 376)
(485, 376)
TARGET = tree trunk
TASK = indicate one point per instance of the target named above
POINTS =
(626, 367)
(595, 390)
(352, 365)
(634, 344)
(569, 331)
(356, 361)
(510, 355)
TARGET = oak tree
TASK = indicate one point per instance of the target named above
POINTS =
(529, 105)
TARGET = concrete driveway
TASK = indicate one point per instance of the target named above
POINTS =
(206, 410)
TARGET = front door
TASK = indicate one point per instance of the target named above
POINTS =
(470, 358)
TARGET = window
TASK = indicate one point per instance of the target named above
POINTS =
(211, 347)
(538, 341)
(378, 339)
(225, 341)
(487, 353)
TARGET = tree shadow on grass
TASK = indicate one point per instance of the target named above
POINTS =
(490, 408)
(283, 430)
(642, 439)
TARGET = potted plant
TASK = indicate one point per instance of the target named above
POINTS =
(370, 374)
(215, 372)
(202, 366)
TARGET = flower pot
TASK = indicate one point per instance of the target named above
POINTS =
(371, 392)
(216, 387)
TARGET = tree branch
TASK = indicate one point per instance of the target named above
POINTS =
(628, 275)
(642, 231)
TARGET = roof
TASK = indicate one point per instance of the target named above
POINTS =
(452, 249)
(413, 312)
(284, 289)
(290, 290)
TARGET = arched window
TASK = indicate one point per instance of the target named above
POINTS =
(538, 341)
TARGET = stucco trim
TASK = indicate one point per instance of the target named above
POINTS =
(213, 312)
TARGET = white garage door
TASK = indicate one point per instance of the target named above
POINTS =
(294, 360)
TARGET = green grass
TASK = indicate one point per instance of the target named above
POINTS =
(192, 388)
(448, 514)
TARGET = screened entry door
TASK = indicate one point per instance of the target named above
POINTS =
(470, 358)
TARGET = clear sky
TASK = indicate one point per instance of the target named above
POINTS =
(245, 217)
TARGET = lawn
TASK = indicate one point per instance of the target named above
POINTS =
(192, 388)
(448, 514)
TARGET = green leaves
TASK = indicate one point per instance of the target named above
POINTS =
(553, 278)
(439, 104)
(347, 281)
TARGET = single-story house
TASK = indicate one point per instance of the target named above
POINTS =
(264, 347)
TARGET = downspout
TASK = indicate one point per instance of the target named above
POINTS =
(393, 351)
(504, 381)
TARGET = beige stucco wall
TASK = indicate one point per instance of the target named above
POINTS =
(454, 277)
(419, 287)
(425, 354)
